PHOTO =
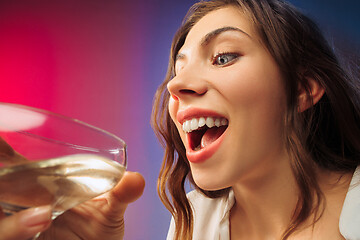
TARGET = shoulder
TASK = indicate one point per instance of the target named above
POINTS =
(349, 223)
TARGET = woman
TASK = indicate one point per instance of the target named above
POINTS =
(257, 113)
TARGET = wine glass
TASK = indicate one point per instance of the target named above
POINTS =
(50, 159)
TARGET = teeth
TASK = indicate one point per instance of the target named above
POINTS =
(196, 123)
(210, 122)
(217, 122)
(202, 122)
(186, 126)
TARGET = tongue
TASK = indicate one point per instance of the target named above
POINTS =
(211, 135)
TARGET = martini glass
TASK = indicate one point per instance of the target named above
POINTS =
(50, 159)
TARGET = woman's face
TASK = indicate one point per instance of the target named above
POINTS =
(225, 77)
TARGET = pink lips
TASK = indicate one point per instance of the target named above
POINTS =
(204, 153)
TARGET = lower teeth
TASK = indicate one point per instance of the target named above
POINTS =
(197, 148)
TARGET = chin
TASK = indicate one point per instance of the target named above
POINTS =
(210, 185)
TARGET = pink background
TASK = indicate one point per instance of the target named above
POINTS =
(101, 61)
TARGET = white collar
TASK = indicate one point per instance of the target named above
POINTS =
(349, 223)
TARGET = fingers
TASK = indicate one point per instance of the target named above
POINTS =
(99, 218)
(8, 155)
(126, 191)
(25, 224)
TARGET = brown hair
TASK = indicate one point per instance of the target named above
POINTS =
(326, 135)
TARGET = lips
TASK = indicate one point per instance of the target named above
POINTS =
(204, 130)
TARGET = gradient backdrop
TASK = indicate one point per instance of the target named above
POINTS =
(101, 61)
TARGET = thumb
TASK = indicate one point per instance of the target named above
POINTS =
(25, 224)
(130, 188)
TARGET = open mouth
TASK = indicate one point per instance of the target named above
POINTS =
(204, 131)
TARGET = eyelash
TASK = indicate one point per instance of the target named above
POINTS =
(215, 58)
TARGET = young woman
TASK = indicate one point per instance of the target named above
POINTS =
(257, 113)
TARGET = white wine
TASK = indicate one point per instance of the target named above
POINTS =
(60, 182)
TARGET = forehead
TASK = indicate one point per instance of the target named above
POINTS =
(230, 16)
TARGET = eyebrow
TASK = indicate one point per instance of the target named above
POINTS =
(211, 35)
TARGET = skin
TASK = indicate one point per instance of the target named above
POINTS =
(100, 218)
(252, 99)
(248, 90)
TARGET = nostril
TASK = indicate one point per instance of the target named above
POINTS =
(187, 91)
(174, 97)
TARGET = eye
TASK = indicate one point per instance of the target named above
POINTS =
(224, 58)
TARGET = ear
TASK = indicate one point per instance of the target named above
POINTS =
(306, 100)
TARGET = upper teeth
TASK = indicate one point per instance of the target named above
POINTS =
(196, 123)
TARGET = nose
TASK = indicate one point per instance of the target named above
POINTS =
(188, 83)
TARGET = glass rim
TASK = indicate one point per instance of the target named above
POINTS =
(68, 119)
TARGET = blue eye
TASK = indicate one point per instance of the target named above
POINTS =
(224, 58)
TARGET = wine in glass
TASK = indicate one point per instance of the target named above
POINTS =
(50, 159)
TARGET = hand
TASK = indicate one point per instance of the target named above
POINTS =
(99, 218)
(25, 224)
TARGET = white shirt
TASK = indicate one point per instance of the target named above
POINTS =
(211, 216)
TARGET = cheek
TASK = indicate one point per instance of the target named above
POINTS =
(173, 107)
(249, 84)
(257, 100)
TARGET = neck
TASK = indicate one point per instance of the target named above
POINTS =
(265, 201)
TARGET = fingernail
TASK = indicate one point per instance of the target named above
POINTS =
(36, 216)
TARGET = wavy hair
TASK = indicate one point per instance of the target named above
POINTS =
(325, 136)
